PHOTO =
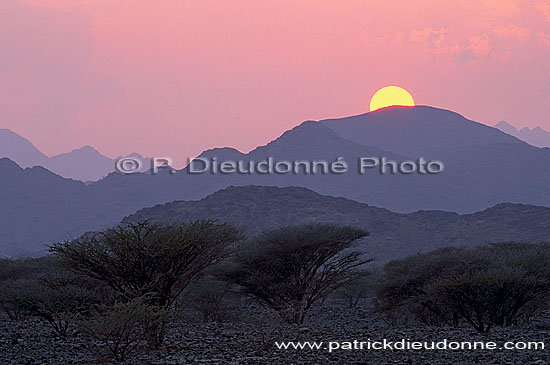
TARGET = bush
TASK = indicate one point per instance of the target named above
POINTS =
(27, 268)
(123, 327)
(39, 287)
(210, 297)
(494, 285)
(488, 299)
(13, 298)
(401, 293)
(59, 301)
(290, 268)
(145, 259)
(19, 279)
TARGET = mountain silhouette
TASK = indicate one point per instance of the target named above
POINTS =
(420, 131)
(85, 163)
(313, 141)
(21, 150)
(537, 136)
(393, 235)
(483, 168)
(38, 207)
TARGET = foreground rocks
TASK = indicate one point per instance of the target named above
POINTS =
(250, 339)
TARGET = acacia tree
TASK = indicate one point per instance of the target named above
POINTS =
(487, 286)
(290, 268)
(146, 259)
(488, 299)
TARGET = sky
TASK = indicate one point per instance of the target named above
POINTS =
(171, 78)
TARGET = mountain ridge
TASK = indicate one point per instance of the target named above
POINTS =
(492, 170)
(393, 235)
(536, 136)
(420, 131)
(85, 163)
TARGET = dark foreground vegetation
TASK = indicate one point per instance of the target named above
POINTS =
(139, 293)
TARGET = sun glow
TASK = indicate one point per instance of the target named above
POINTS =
(390, 96)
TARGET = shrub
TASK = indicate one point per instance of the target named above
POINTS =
(494, 285)
(148, 259)
(19, 279)
(290, 268)
(210, 297)
(13, 298)
(27, 268)
(487, 299)
(401, 290)
(47, 292)
(59, 301)
(123, 327)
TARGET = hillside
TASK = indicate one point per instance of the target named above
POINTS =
(38, 207)
(256, 208)
(418, 131)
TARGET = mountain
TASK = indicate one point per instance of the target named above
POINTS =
(311, 141)
(480, 171)
(38, 207)
(507, 128)
(419, 131)
(85, 163)
(483, 167)
(393, 235)
(537, 136)
(19, 149)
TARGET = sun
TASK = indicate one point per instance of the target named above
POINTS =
(390, 96)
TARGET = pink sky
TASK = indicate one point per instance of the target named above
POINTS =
(172, 78)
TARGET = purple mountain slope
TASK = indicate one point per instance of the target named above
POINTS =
(393, 235)
(85, 163)
(419, 131)
(19, 149)
(312, 141)
(536, 136)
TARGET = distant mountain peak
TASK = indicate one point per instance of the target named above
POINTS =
(20, 149)
(223, 153)
(505, 125)
(307, 130)
(85, 163)
(87, 148)
(84, 150)
(536, 136)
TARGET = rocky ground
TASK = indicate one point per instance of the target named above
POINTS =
(249, 338)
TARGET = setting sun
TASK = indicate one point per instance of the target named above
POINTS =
(390, 96)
